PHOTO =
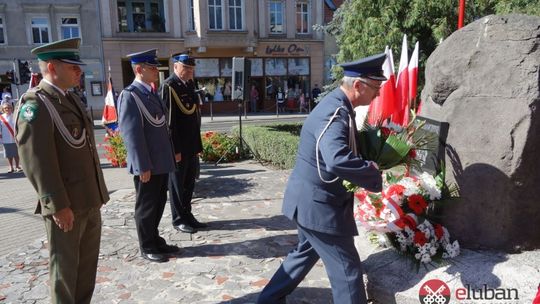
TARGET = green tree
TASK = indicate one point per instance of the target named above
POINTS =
(365, 27)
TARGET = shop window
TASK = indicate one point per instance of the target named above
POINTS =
(275, 10)
(215, 14)
(40, 30)
(256, 67)
(302, 17)
(70, 27)
(141, 16)
(298, 66)
(2, 35)
(275, 66)
(235, 15)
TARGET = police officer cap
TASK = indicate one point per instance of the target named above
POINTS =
(66, 50)
(183, 58)
(369, 67)
(148, 57)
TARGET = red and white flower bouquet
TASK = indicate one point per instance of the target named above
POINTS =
(401, 213)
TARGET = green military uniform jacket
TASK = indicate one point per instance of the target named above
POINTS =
(64, 173)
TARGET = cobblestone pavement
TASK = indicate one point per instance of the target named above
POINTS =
(228, 263)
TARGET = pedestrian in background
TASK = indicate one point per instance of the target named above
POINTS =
(253, 98)
(58, 153)
(315, 198)
(7, 136)
(143, 126)
(315, 92)
(280, 98)
(179, 92)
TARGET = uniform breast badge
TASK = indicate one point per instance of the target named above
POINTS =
(75, 132)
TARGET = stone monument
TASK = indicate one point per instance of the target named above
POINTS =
(484, 81)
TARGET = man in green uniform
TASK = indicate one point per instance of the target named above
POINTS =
(57, 150)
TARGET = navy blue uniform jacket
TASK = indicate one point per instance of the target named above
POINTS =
(148, 147)
(312, 203)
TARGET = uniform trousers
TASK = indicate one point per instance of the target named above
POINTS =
(341, 262)
(74, 257)
(149, 206)
(181, 186)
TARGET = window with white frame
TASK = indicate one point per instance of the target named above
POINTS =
(302, 17)
(215, 14)
(40, 30)
(235, 15)
(191, 13)
(70, 27)
(2, 35)
(275, 10)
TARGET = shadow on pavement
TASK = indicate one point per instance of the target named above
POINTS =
(276, 222)
(301, 295)
(222, 186)
(6, 175)
(9, 210)
(268, 247)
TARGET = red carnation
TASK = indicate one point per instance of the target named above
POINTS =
(412, 153)
(419, 238)
(439, 231)
(417, 203)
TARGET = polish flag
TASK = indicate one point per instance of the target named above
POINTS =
(109, 111)
(35, 78)
(413, 78)
(401, 113)
(384, 105)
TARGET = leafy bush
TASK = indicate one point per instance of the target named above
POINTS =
(115, 150)
(276, 144)
(216, 145)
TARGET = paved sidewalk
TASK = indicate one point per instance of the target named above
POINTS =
(228, 263)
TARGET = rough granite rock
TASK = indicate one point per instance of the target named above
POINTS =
(484, 81)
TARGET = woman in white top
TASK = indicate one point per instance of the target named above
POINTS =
(7, 123)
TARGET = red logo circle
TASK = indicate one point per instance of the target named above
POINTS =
(434, 292)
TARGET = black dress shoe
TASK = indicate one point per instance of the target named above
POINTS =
(155, 257)
(185, 228)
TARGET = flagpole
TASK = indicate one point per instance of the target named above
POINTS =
(461, 13)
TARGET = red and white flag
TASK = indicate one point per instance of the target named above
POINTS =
(35, 78)
(109, 111)
(413, 77)
(383, 106)
(401, 113)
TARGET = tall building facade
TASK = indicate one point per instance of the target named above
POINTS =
(275, 35)
(26, 24)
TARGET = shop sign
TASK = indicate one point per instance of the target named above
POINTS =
(291, 49)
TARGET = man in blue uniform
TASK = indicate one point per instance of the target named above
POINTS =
(315, 197)
(180, 96)
(143, 125)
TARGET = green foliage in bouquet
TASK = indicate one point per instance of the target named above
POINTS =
(216, 145)
(115, 149)
(387, 150)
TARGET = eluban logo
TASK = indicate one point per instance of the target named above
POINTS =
(486, 293)
(434, 292)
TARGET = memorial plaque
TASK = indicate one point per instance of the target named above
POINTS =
(435, 131)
